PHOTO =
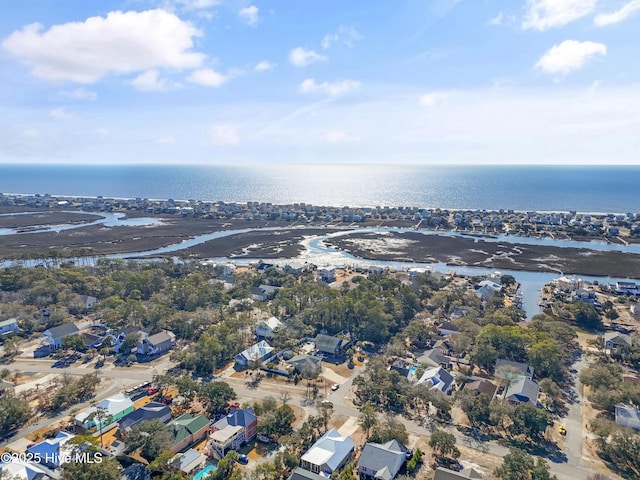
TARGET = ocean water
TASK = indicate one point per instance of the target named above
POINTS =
(541, 188)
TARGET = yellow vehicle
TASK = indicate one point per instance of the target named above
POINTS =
(562, 430)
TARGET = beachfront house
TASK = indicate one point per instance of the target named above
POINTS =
(156, 344)
(54, 335)
(105, 413)
(381, 461)
(327, 274)
(329, 454)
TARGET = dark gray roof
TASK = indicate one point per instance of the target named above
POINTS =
(466, 474)
(327, 343)
(381, 458)
(160, 337)
(62, 330)
(434, 357)
(302, 474)
(137, 471)
(482, 386)
(150, 411)
(524, 390)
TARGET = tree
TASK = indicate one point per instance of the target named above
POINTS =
(516, 465)
(477, 407)
(73, 342)
(216, 397)
(529, 421)
(104, 469)
(151, 436)
(444, 444)
(367, 419)
(585, 315)
(11, 346)
(277, 423)
(390, 429)
(226, 468)
(14, 412)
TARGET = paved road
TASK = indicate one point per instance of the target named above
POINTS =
(573, 469)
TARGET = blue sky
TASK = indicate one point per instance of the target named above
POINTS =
(362, 81)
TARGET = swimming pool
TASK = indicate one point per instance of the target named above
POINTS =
(202, 474)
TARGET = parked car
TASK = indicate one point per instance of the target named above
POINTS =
(562, 430)
(263, 439)
(152, 390)
(334, 387)
(243, 459)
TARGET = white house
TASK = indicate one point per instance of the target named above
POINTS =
(329, 454)
(628, 417)
(266, 328)
(106, 412)
(327, 274)
(437, 378)
(260, 352)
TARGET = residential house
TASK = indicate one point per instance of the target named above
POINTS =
(522, 389)
(518, 368)
(382, 461)
(486, 288)
(616, 340)
(8, 326)
(328, 344)
(404, 368)
(447, 328)
(187, 430)
(88, 300)
(156, 344)
(327, 274)
(52, 452)
(150, 411)
(628, 417)
(122, 334)
(434, 358)
(568, 284)
(481, 386)
(306, 364)
(261, 352)
(105, 413)
(266, 328)
(437, 378)
(232, 432)
(302, 474)
(627, 288)
(16, 468)
(329, 454)
(465, 474)
(137, 471)
(188, 461)
(54, 335)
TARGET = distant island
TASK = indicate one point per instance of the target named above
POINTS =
(503, 239)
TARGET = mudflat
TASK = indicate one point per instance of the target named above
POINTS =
(285, 241)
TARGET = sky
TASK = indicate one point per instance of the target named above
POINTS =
(331, 81)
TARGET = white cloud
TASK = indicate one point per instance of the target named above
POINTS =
(603, 19)
(223, 135)
(207, 77)
(544, 14)
(60, 114)
(168, 140)
(263, 66)
(568, 56)
(301, 57)
(149, 81)
(249, 15)
(346, 35)
(431, 99)
(120, 43)
(338, 136)
(197, 4)
(31, 132)
(79, 94)
(497, 20)
(328, 88)
(207, 14)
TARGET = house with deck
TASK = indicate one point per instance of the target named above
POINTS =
(257, 354)
(187, 430)
(329, 454)
(54, 335)
(381, 461)
(156, 344)
(233, 431)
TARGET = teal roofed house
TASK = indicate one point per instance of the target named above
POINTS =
(105, 413)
